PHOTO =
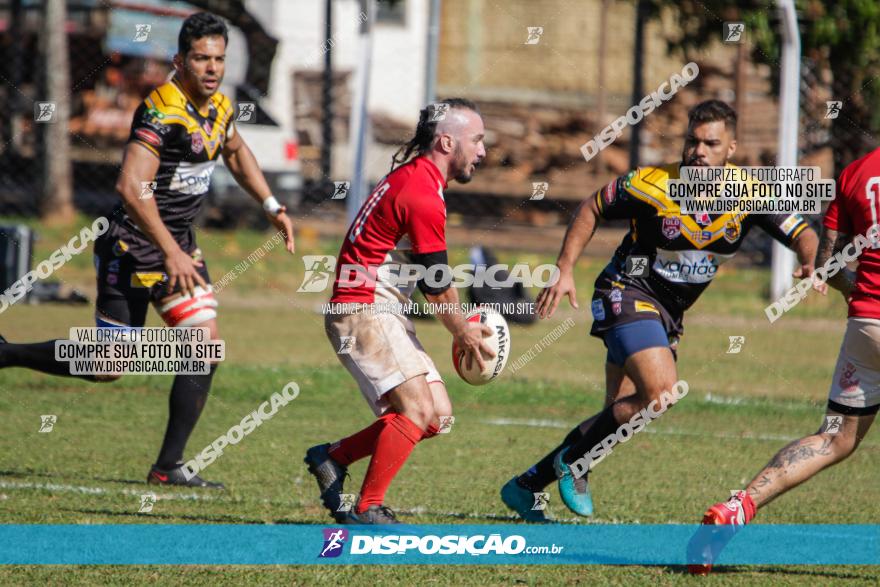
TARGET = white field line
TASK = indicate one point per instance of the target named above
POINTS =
(711, 398)
(418, 511)
(59, 487)
(663, 431)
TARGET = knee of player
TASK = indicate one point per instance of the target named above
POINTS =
(659, 392)
(843, 445)
(422, 415)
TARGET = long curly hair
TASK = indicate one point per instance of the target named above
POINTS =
(429, 117)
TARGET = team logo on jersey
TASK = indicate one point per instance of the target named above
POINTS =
(148, 137)
(703, 219)
(671, 227)
(731, 231)
(616, 295)
(198, 143)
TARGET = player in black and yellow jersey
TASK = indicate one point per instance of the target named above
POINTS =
(666, 260)
(149, 254)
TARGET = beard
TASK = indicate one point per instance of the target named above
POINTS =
(460, 164)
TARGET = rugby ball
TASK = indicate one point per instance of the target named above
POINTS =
(498, 341)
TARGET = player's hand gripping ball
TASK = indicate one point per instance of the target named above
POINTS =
(498, 341)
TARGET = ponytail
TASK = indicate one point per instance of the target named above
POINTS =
(426, 129)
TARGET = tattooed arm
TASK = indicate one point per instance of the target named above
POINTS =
(831, 243)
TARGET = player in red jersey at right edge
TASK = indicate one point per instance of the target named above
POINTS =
(379, 347)
(854, 397)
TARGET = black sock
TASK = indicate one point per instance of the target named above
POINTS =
(604, 425)
(39, 356)
(542, 473)
(188, 396)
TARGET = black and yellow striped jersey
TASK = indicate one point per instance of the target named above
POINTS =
(187, 143)
(684, 251)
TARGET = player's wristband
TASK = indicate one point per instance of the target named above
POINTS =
(272, 206)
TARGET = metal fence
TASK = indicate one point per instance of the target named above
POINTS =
(534, 137)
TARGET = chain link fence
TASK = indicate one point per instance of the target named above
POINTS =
(534, 175)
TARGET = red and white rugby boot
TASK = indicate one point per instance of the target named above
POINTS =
(736, 511)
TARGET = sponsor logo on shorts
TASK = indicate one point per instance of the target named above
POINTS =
(120, 247)
(617, 308)
(146, 278)
(848, 380)
(598, 309)
(641, 306)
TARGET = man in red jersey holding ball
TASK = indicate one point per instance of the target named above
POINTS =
(851, 230)
(378, 345)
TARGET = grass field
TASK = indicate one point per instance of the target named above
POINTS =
(740, 410)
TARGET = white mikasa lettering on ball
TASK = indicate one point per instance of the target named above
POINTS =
(498, 341)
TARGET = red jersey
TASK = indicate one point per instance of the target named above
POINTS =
(407, 202)
(853, 211)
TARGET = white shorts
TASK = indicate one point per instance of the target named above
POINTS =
(856, 382)
(380, 351)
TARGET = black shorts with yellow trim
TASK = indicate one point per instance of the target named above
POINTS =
(615, 303)
(126, 285)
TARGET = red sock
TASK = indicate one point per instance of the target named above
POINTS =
(393, 447)
(359, 444)
(431, 432)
